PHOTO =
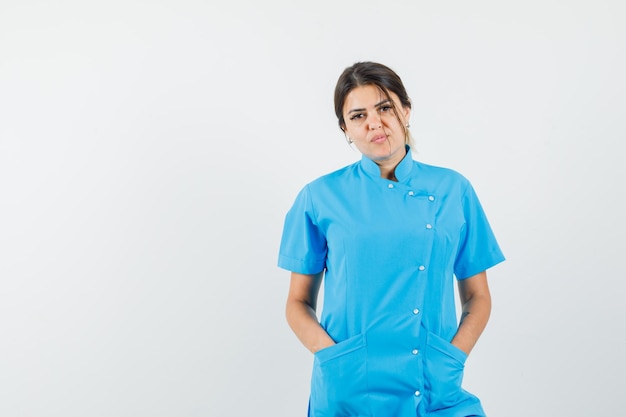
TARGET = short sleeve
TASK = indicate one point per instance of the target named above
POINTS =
(478, 248)
(303, 245)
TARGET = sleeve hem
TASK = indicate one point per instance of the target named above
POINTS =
(470, 272)
(300, 266)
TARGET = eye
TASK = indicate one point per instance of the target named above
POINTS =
(357, 116)
(385, 109)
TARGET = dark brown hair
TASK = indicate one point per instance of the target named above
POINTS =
(369, 73)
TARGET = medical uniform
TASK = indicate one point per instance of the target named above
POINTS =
(390, 251)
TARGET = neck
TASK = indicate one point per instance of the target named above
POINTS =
(388, 172)
(388, 166)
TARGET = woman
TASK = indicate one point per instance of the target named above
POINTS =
(387, 234)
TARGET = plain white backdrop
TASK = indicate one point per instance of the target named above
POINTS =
(149, 152)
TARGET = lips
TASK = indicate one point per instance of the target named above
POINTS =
(379, 139)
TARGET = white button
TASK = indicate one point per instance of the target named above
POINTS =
(431, 198)
(429, 226)
(415, 351)
(390, 186)
(417, 393)
(421, 267)
(411, 193)
(416, 311)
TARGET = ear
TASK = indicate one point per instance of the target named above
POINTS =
(407, 113)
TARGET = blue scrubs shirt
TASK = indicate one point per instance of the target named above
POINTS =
(390, 251)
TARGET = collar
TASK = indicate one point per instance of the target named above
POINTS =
(403, 169)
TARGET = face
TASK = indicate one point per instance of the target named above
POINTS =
(371, 123)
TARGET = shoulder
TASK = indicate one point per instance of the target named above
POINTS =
(440, 175)
(335, 179)
(333, 183)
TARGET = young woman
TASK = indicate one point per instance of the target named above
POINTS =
(388, 235)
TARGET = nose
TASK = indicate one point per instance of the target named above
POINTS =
(374, 122)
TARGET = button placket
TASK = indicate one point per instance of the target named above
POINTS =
(428, 225)
(431, 198)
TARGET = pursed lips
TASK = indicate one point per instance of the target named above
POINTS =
(379, 138)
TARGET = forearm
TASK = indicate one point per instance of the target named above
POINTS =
(474, 318)
(303, 321)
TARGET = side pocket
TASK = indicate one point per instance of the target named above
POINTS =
(340, 349)
(443, 368)
(339, 383)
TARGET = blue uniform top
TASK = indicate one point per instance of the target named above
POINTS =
(389, 251)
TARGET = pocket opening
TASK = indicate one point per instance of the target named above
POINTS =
(339, 349)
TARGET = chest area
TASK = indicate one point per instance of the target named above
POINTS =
(390, 212)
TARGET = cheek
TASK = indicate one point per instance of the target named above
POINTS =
(392, 120)
(355, 133)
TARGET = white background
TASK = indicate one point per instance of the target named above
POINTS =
(149, 152)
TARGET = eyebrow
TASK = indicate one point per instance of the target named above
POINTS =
(376, 105)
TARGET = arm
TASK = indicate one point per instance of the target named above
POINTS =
(476, 303)
(300, 311)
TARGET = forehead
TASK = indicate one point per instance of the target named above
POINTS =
(365, 96)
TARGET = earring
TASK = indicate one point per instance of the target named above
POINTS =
(408, 125)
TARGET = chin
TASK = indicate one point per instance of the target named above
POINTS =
(384, 153)
(380, 157)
